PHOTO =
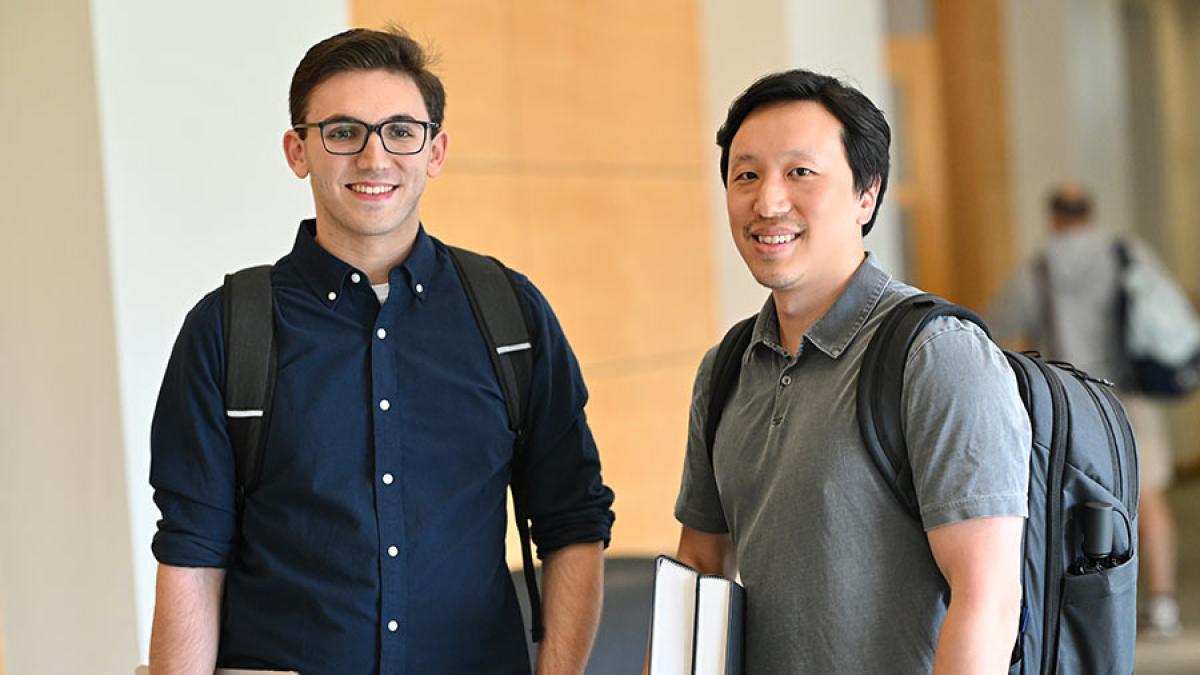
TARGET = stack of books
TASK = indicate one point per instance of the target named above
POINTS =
(696, 622)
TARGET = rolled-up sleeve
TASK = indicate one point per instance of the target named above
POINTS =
(191, 461)
(559, 475)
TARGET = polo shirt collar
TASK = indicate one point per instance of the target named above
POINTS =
(326, 274)
(834, 331)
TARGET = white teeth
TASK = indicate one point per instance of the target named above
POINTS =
(371, 189)
(775, 238)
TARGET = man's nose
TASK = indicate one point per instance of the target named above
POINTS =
(373, 156)
(772, 199)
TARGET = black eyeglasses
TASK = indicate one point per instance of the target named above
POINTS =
(349, 137)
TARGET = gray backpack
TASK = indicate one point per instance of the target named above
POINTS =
(1079, 570)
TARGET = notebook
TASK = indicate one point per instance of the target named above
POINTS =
(695, 623)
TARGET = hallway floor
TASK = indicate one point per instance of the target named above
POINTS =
(1181, 656)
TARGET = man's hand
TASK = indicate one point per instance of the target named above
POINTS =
(187, 612)
(981, 560)
(573, 592)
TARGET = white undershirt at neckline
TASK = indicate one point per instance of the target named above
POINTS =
(381, 291)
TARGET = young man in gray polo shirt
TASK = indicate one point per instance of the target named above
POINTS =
(839, 579)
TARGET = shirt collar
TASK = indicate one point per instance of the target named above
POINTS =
(834, 331)
(326, 274)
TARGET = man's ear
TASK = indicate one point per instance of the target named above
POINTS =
(866, 203)
(437, 154)
(293, 151)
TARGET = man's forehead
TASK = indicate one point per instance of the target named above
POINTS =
(788, 129)
(369, 95)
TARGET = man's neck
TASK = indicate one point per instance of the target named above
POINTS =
(799, 309)
(376, 255)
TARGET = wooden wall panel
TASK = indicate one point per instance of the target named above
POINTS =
(576, 155)
(647, 413)
(617, 255)
(607, 83)
(471, 43)
(922, 188)
(477, 211)
(975, 95)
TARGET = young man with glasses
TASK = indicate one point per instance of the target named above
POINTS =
(374, 540)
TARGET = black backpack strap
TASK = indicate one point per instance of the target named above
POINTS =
(1045, 298)
(726, 368)
(500, 313)
(881, 386)
(249, 369)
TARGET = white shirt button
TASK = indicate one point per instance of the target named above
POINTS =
(385, 404)
(387, 479)
(381, 333)
(393, 626)
(355, 277)
(393, 551)
(332, 296)
(420, 288)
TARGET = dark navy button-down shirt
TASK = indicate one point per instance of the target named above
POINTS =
(374, 541)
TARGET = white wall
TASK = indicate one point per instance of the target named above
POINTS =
(1069, 109)
(66, 589)
(746, 40)
(193, 105)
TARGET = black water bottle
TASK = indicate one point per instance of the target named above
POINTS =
(1097, 530)
(1097, 538)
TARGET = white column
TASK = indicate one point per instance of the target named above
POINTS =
(66, 588)
(193, 106)
(1069, 109)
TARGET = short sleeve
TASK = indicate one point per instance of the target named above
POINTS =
(699, 503)
(191, 460)
(967, 430)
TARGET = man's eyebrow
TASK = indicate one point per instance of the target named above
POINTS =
(795, 153)
(402, 117)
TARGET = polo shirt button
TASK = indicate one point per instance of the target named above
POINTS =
(420, 288)
(393, 626)
(384, 404)
(776, 421)
(381, 333)
(393, 551)
(332, 296)
(786, 380)
(387, 479)
(356, 277)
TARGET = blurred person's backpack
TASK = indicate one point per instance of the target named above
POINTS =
(1078, 611)
(250, 362)
(1160, 334)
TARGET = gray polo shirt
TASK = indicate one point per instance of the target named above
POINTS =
(839, 579)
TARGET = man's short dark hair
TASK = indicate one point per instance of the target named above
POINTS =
(865, 133)
(1072, 204)
(361, 49)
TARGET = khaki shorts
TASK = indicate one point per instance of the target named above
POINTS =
(1156, 462)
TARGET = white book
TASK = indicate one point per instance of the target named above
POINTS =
(696, 622)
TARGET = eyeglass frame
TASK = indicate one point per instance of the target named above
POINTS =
(376, 129)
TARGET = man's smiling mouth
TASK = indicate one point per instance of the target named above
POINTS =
(371, 189)
(774, 238)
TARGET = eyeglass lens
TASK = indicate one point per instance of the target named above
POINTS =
(351, 137)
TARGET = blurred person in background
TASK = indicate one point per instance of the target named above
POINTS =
(1064, 302)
